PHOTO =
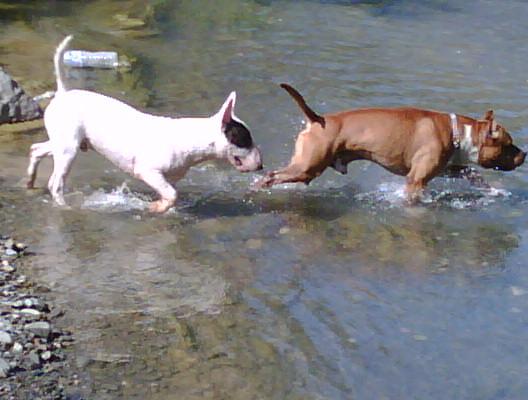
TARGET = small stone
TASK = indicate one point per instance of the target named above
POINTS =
(46, 355)
(10, 253)
(4, 368)
(8, 268)
(5, 338)
(517, 291)
(18, 304)
(56, 313)
(17, 348)
(19, 247)
(34, 359)
(40, 328)
(30, 311)
(5, 324)
(284, 230)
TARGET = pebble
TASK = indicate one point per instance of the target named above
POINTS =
(34, 359)
(8, 268)
(39, 329)
(4, 368)
(18, 304)
(517, 291)
(17, 348)
(30, 311)
(10, 253)
(5, 338)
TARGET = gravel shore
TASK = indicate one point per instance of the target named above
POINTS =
(34, 358)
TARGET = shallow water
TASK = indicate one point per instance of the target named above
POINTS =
(334, 291)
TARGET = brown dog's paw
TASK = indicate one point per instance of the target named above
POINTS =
(265, 182)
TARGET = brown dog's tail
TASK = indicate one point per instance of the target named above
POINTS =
(311, 114)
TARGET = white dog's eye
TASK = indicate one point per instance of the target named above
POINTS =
(238, 162)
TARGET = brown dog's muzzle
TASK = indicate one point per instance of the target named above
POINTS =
(511, 158)
(519, 158)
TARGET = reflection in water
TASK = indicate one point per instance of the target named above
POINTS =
(334, 291)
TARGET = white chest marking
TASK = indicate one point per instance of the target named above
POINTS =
(467, 152)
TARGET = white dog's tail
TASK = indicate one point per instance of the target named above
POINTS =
(57, 61)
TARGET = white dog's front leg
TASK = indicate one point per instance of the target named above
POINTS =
(157, 181)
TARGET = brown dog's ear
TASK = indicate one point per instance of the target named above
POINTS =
(489, 116)
(492, 125)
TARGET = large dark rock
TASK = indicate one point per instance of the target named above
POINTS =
(15, 104)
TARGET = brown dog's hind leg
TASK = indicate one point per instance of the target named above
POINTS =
(309, 160)
(292, 173)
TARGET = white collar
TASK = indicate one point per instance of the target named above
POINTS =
(465, 151)
(454, 130)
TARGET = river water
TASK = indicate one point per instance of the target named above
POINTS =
(334, 291)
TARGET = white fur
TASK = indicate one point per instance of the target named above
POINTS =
(467, 152)
(149, 147)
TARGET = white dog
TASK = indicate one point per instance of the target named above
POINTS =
(149, 147)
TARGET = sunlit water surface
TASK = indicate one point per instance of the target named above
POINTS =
(334, 291)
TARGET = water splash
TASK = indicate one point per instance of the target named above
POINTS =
(119, 199)
(445, 194)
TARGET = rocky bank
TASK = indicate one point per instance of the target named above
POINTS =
(34, 357)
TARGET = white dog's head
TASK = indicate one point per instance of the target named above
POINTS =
(241, 151)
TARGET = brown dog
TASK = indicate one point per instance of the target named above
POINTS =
(406, 141)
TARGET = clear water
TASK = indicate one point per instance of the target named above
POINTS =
(334, 291)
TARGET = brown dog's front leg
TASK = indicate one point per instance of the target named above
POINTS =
(414, 191)
(425, 166)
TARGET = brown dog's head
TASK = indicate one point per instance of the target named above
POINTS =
(496, 148)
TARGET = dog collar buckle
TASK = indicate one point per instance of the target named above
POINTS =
(454, 128)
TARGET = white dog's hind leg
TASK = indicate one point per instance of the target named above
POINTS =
(62, 162)
(37, 152)
(157, 181)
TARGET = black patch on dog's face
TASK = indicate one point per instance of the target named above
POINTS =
(237, 134)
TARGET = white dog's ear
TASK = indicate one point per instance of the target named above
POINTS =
(228, 108)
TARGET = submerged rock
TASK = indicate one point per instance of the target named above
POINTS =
(15, 104)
